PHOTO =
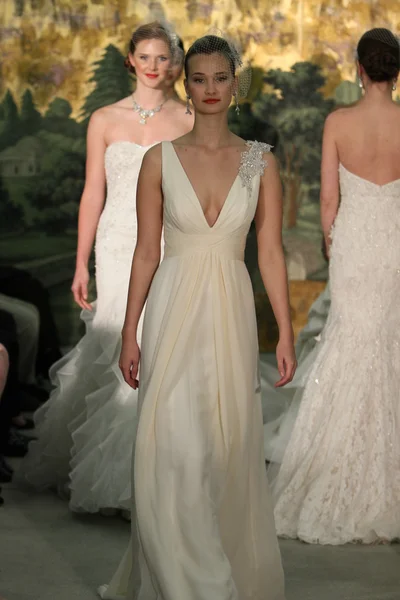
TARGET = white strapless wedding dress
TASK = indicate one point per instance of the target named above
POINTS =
(86, 429)
(339, 480)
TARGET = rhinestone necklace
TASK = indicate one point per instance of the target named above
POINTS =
(145, 114)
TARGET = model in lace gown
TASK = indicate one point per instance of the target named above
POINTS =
(340, 476)
(204, 516)
(80, 441)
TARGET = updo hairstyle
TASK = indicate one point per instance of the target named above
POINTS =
(212, 44)
(378, 52)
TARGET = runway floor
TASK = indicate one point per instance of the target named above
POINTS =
(46, 553)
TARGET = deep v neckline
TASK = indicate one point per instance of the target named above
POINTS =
(198, 203)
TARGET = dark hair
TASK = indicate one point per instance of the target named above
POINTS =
(150, 31)
(179, 43)
(212, 44)
(379, 54)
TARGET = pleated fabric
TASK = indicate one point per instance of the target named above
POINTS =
(204, 526)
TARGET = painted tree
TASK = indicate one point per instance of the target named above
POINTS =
(111, 79)
(11, 129)
(57, 119)
(59, 108)
(347, 92)
(10, 214)
(298, 111)
(250, 127)
(30, 117)
(56, 193)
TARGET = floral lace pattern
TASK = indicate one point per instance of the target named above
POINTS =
(339, 480)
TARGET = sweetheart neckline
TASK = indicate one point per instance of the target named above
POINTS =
(378, 185)
(131, 143)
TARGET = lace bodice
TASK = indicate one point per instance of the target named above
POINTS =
(352, 185)
(368, 218)
(122, 164)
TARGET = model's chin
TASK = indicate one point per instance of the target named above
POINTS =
(212, 109)
(154, 83)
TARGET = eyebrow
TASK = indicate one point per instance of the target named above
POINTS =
(219, 73)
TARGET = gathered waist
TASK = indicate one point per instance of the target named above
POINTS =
(181, 244)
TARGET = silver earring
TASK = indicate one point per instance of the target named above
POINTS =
(394, 86)
(188, 111)
(237, 109)
(360, 83)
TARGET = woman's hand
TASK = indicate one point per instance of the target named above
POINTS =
(80, 287)
(129, 361)
(286, 359)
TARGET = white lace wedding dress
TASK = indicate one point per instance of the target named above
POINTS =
(340, 476)
(86, 429)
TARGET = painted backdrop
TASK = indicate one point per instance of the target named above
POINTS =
(61, 60)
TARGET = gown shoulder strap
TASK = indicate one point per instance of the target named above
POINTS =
(253, 163)
(165, 153)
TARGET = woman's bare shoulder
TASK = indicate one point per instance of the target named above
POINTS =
(111, 111)
(340, 115)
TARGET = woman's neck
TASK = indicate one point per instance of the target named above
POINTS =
(148, 98)
(211, 131)
(171, 93)
(378, 93)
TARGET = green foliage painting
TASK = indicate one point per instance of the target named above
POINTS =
(112, 81)
(42, 171)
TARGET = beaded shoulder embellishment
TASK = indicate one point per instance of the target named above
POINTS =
(252, 163)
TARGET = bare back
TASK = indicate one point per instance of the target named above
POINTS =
(367, 138)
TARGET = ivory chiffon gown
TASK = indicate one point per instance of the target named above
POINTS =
(204, 528)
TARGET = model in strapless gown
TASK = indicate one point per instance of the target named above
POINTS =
(85, 429)
(340, 476)
(204, 523)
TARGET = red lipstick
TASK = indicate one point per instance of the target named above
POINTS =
(151, 75)
(211, 101)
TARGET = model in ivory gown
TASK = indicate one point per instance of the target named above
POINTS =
(80, 444)
(339, 480)
(204, 526)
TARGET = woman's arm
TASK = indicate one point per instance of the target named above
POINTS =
(271, 261)
(329, 179)
(149, 205)
(91, 204)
